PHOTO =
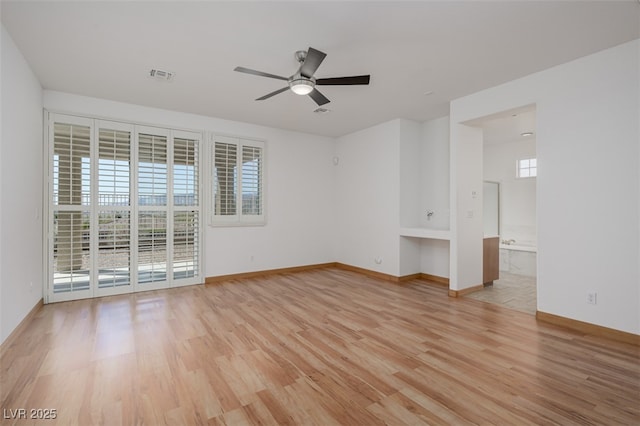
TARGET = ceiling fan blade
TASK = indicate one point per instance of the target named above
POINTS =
(319, 97)
(312, 62)
(343, 81)
(267, 96)
(259, 73)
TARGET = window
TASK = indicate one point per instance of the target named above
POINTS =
(238, 182)
(527, 168)
(124, 208)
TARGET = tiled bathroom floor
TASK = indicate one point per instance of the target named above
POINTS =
(514, 291)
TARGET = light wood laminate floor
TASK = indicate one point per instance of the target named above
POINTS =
(320, 347)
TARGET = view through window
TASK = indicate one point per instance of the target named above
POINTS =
(124, 208)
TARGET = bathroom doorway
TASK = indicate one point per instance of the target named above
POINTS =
(510, 172)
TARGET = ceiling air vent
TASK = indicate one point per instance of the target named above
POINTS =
(321, 110)
(161, 74)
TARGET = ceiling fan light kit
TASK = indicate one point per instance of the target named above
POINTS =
(301, 85)
(303, 82)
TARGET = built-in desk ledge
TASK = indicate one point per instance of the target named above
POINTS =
(434, 234)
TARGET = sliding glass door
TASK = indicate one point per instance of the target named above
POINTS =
(124, 208)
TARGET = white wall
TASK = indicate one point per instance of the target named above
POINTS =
(299, 212)
(21, 271)
(435, 257)
(367, 198)
(467, 225)
(411, 169)
(434, 158)
(517, 196)
(588, 181)
(423, 185)
(299, 176)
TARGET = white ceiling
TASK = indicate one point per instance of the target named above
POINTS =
(106, 49)
(507, 126)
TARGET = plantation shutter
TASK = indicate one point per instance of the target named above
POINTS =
(225, 184)
(186, 214)
(124, 208)
(153, 175)
(113, 254)
(71, 193)
(251, 181)
(238, 181)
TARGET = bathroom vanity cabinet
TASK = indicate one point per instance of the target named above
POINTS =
(490, 260)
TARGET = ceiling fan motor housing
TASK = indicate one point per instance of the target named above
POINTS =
(301, 55)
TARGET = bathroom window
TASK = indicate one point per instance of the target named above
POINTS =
(527, 168)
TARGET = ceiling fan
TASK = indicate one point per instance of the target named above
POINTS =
(303, 82)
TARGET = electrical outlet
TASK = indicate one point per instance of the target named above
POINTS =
(378, 260)
(592, 298)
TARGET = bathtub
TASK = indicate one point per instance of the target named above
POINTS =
(516, 247)
(518, 259)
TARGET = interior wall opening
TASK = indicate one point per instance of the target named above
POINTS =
(510, 169)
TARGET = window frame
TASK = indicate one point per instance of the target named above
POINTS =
(529, 168)
(237, 219)
(93, 209)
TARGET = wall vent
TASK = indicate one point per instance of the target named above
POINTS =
(161, 74)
